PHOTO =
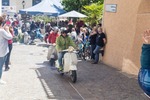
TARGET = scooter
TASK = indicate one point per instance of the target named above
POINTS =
(69, 64)
(52, 54)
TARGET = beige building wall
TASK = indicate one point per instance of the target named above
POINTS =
(18, 4)
(123, 30)
(28, 4)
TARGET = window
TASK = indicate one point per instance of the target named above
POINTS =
(34, 2)
(5, 2)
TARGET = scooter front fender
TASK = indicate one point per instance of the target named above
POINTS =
(73, 67)
(69, 68)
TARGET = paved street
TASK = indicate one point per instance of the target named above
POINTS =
(31, 78)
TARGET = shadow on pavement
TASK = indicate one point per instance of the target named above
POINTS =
(55, 85)
(44, 76)
(95, 82)
(43, 45)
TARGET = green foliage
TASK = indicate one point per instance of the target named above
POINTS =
(77, 5)
(43, 18)
(92, 8)
(71, 5)
(94, 13)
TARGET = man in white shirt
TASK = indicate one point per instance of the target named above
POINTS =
(73, 34)
(5, 35)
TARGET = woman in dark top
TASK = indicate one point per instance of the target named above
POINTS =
(100, 42)
(92, 38)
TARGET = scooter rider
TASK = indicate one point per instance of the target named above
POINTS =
(63, 42)
(53, 35)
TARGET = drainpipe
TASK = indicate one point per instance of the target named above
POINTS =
(0, 7)
(103, 13)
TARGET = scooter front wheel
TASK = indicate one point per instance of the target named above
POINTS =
(73, 76)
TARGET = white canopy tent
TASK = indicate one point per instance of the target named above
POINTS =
(46, 7)
(73, 14)
(58, 3)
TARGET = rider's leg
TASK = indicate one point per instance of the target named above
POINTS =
(60, 57)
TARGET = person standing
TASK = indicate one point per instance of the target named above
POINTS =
(73, 34)
(10, 45)
(5, 35)
(100, 43)
(92, 38)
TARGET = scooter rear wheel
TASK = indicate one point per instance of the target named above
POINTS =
(73, 76)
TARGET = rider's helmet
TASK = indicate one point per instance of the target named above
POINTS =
(64, 31)
(56, 29)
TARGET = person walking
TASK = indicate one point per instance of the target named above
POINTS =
(10, 45)
(5, 35)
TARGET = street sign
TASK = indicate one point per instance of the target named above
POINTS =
(111, 8)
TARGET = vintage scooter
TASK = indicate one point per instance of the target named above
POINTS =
(52, 54)
(69, 64)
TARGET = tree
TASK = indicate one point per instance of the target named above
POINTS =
(94, 13)
(77, 4)
(46, 19)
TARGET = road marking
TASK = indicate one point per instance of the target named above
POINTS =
(147, 95)
(76, 91)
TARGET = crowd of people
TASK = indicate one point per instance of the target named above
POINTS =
(68, 34)
(80, 38)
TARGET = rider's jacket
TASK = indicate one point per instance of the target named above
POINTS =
(52, 37)
(63, 43)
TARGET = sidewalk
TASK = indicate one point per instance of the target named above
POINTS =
(31, 78)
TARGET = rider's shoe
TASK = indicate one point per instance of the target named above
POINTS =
(60, 68)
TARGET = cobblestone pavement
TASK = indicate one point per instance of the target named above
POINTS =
(31, 78)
